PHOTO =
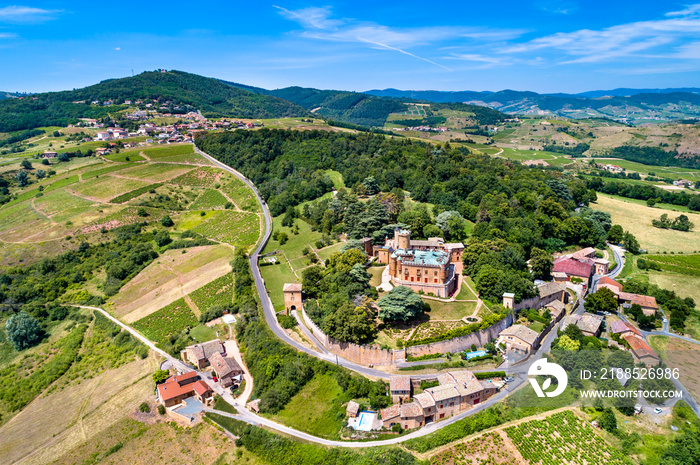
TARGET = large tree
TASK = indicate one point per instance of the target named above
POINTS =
(23, 330)
(400, 304)
(541, 263)
(603, 300)
(350, 324)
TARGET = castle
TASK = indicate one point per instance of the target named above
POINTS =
(431, 266)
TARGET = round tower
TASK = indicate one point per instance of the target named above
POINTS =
(404, 239)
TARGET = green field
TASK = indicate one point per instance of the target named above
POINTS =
(107, 187)
(61, 206)
(449, 310)
(275, 276)
(105, 170)
(172, 319)
(326, 252)
(682, 264)
(188, 158)
(156, 172)
(317, 409)
(125, 156)
(337, 178)
(296, 242)
(203, 333)
(125, 197)
(67, 181)
(168, 151)
(200, 177)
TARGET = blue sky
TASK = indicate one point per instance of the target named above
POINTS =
(538, 45)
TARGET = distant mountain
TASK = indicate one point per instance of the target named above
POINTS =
(626, 92)
(4, 95)
(174, 88)
(656, 105)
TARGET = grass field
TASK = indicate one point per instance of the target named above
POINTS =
(156, 172)
(203, 333)
(316, 408)
(168, 320)
(683, 264)
(449, 310)
(106, 187)
(275, 276)
(132, 155)
(296, 242)
(338, 182)
(637, 219)
(61, 206)
(170, 277)
(188, 158)
(682, 355)
(326, 252)
(168, 151)
(105, 170)
(661, 206)
(68, 180)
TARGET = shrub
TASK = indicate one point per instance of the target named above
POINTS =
(144, 407)
(161, 409)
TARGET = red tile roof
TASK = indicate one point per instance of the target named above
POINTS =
(573, 267)
(610, 282)
(399, 383)
(642, 300)
(176, 386)
(201, 388)
(639, 346)
(620, 326)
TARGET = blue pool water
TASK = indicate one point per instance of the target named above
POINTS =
(478, 353)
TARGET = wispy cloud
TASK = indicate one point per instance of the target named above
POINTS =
(26, 14)
(7, 35)
(626, 40)
(317, 23)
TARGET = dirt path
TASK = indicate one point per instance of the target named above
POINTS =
(229, 199)
(40, 211)
(190, 303)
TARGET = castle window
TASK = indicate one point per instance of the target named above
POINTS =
(435, 272)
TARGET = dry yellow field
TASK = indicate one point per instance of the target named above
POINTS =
(169, 278)
(637, 219)
(56, 423)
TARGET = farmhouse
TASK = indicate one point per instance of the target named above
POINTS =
(647, 303)
(611, 284)
(573, 268)
(49, 154)
(400, 388)
(641, 350)
(178, 388)
(199, 354)
(226, 368)
(519, 338)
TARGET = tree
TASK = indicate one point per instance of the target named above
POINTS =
(651, 202)
(22, 178)
(162, 238)
(603, 300)
(40, 174)
(142, 212)
(167, 222)
(160, 376)
(608, 421)
(451, 223)
(45, 162)
(23, 330)
(616, 234)
(541, 263)
(63, 157)
(311, 280)
(630, 243)
(26, 164)
(350, 324)
(282, 237)
(370, 185)
(566, 343)
(682, 223)
(400, 304)
(430, 230)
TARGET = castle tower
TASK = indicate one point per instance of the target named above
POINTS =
(404, 239)
(508, 299)
(292, 297)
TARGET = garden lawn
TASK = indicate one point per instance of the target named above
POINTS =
(275, 276)
(449, 310)
(326, 252)
(316, 408)
(203, 333)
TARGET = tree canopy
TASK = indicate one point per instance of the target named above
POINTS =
(400, 304)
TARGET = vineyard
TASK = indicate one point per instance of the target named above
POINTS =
(217, 292)
(108, 169)
(200, 177)
(562, 439)
(235, 228)
(168, 320)
(168, 151)
(242, 196)
(683, 264)
(487, 449)
(209, 200)
(135, 193)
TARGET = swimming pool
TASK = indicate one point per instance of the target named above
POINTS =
(363, 422)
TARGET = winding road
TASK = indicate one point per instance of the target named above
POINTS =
(519, 371)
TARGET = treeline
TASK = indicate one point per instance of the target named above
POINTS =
(46, 110)
(573, 150)
(654, 156)
(24, 135)
(642, 192)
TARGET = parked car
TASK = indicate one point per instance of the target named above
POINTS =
(509, 379)
(665, 320)
(657, 410)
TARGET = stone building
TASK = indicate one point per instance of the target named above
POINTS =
(292, 297)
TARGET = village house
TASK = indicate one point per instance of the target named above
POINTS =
(588, 323)
(49, 154)
(353, 409)
(648, 303)
(400, 388)
(519, 338)
(623, 328)
(557, 310)
(199, 354)
(226, 369)
(641, 350)
(573, 268)
(178, 388)
(611, 284)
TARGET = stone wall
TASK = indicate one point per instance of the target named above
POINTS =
(361, 354)
(462, 343)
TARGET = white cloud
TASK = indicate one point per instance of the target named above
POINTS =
(118, 48)
(7, 35)
(25, 14)
(318, 24)
(690, 10)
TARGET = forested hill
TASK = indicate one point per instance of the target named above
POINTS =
(208, 95)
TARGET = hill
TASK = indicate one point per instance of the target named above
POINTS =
(178, 90)
(621, 104)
